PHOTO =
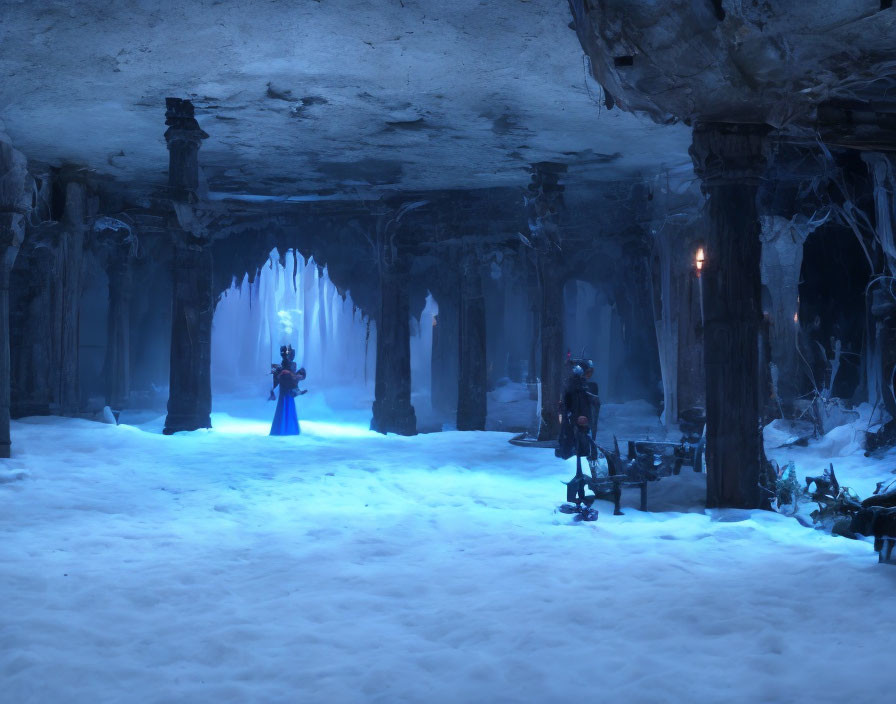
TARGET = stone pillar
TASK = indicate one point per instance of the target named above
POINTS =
(516, 322)
(639, 375)
(445, 350)
(496, 338)
(119, 260)
(190, 395)
(533, 300)
(184, 137)
(392, 409)
(11, 235)
(70, 257)
(553, 358)
(13, 204)
(473, 374)
(544, 204)
(730, 159)
(190, 392)
(34, 313)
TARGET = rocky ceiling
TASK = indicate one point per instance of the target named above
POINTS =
(317, 96)
(740, 60)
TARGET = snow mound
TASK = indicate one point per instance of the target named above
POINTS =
(9, 474)
(781, 432)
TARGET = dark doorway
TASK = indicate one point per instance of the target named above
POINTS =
(832, 304)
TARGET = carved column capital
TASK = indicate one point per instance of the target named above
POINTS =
(183, 137)
(12, 229)
(15, 202)
(12, 234)
(114, 239)
(728, 153)
(182, 124)
(544, 204)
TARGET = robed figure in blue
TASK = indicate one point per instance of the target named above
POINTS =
(287, 377)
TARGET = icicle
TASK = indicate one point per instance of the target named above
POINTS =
(321, 314)
(366, 350)
(333, 352)
(295, 269)
(312, 315)
(884, 183)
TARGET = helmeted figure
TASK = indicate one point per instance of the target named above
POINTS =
(577, 414)
(287, 377)
(593, 391)
(577, 417)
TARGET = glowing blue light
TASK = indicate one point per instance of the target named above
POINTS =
(335, 430)
(225, 423)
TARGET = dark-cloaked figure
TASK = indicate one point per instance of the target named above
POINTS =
(593, 391)
(576, 412)
(287, 377)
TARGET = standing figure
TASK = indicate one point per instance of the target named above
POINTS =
(593, 391)
(286, 420)
(576, 413)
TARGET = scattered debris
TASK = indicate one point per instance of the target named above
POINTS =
(842, 512)
(787, 488)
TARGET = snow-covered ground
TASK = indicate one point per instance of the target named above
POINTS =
(344, 566)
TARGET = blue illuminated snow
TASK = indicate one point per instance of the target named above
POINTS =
(347, 566)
